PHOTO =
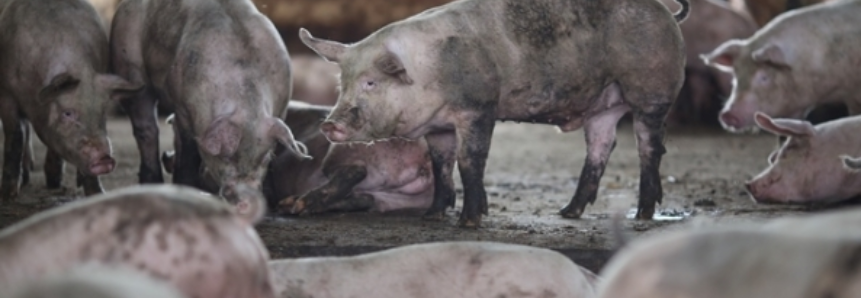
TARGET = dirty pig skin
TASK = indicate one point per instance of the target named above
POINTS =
(177, 234)
(225, 70)
(451, 72)
(53, 76)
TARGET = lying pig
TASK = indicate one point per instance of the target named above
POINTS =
(53, 64)
(711, 23)
(94, 281)
(803, 58)
(388, 175)
(223, 68)
(175, 234)
(449, 73)
(315, 81)
(763, 11)
(805, 169)
(447, 269)
(814, 256)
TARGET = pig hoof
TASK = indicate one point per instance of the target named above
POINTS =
(572, 212)
(290, 205)
(470, 223)
(434, 216)
(645, 213)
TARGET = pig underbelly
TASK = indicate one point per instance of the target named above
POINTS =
(414, 193)
(567, 113)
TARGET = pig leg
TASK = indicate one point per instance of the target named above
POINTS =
(354, 202)
(600, 132)
(53, 169)
(142, 111)
(473, 147)
(442, 148)
(13, 150)
(340, 185)
(28, 162)
(649, 130)
(187, 161)
(91, 184)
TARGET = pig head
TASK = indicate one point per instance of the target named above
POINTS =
(805, 169)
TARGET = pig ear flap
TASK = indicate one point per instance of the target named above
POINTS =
(391, 65)
(281, 133)
(329, 50)
(771, 54)
(118, 87)
(785, 127)
(221, 138)
(724, 56)
(58, 84)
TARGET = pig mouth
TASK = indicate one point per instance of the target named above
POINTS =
(102, 166)
(335, 132)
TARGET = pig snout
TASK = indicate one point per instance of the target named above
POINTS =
(247, 200)
(760, 192)
(102, 165)
(334, 131)
(730, 121)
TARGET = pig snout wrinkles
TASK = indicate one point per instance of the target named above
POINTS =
(334, 131)
(761, 189)
(730, 120)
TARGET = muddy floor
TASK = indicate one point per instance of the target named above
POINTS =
(531, 174)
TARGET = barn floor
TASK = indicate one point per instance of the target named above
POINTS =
(531, 174)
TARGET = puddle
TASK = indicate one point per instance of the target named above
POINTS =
(663, 214)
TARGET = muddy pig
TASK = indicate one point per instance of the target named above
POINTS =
(315, 81)
(763, 11)
(803, 58)
(451, 72)
(96, 281)
(806, 167)
(177, 234)
(384, 176)
(224, 69)
(807, 256)
(710, 24)
(53, 75)
(481, 269)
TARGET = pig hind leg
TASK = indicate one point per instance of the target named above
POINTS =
(13, 151)
(442, 148)
(27, 163)
(649, 131)
(142, 112)
(600, 133)
(332, 194)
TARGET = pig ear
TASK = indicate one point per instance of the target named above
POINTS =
(770, 54)
(391, 64)
(118, 87)
(58, 84)
(330, 50)
(281, 133)
(723, 57)
(221, 138)
(784, 127)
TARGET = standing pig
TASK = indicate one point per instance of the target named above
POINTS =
(710, 24)
(446, 269)
(803, 58)
(53, 64)
(223, 67)
(805, 169)
(94, 281)
(173, 233)
(449, 73)
(388, 175)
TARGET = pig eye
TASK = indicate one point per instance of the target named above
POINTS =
(69, 114)
(762, 78)
(368, 85)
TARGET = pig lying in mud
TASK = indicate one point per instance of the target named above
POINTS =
(811, 256)
(224, 69)
(446, 269)
(384, 176)
(176, 234)
(805, 169)
(53, 64)
(711, 23)
(803, 58)
(94, 281)
(451, 72)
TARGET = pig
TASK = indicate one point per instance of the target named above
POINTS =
(385, 176)
(95, 281)
(805, 169)
(443, 269)
(224, 69)
(803, 58)
(315, 81)
(763, 11)
(451, 72)
(53, 76)
(710, 24)
(202, 246)
(809, 256)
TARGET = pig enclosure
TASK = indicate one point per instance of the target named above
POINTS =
(531, 174)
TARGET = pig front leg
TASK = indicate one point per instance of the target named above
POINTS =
(27, 163)
(143, 114)
(649, 129)
(442, 148)
(600, 132)
(53, 169)
(187, 160)
(13, 152)
(326, 197)
(92, 184)
(473, 146)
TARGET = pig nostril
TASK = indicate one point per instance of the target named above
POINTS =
(728, 119)
(327, 127)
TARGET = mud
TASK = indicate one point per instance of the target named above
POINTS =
(531, 174)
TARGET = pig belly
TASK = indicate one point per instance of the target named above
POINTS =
(415, 193)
